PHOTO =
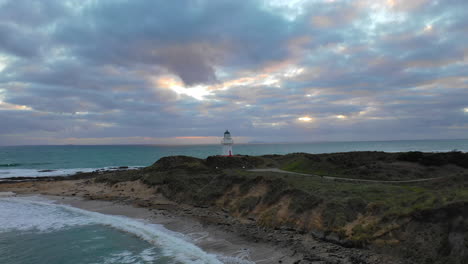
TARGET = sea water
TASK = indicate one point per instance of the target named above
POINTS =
(35, 230)
(36, 161)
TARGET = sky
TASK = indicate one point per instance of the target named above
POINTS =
(182, 72)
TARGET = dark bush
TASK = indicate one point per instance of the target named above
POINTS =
(434, 159)
(302, 201)
(458, 158)
(412, 156)
(234, 162)
(334, 215)
(246, 205)
(116, 177)
(188, 164)
(275, 191)
(354, 207)
(246, 185)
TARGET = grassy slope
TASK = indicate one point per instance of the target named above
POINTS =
(365, 214)
(376, 165)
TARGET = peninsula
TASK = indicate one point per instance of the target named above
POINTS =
(354, 207)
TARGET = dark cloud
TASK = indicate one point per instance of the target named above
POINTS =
(14, 40)
(31, 13)
(188, 38)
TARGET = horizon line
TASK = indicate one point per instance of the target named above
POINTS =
(246, 143)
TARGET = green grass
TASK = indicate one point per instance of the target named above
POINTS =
(390, 200)
(372, 165)
(305, 166)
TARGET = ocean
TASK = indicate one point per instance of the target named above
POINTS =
(37, 161)
(34, 230)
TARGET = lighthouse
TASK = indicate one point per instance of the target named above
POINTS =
(227, 144)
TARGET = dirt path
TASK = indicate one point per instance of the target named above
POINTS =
(345, 179)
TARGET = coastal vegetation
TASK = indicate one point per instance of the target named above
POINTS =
(422, 221)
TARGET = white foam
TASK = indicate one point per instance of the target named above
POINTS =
(37, 173)
(20, 213)
(7, 194)
(9, 173)
(148, 255)
(126, 257)
(17, 214)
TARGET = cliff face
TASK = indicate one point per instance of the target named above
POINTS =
(423, 223)
(437, 235)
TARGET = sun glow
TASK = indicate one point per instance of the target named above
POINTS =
(8, 106)
(341, 116)
(428, 28)
(465, 109)
(198, 92)
(305, 119)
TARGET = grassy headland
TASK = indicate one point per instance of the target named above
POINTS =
(424, 222)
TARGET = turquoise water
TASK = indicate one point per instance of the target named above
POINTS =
(30, 160)
(34, 230)
(90, 244)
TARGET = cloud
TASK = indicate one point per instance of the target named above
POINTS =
(15, 41)
(187, 38)
(27, 13)
(149, 71)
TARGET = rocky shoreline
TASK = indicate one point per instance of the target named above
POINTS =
(307, 248)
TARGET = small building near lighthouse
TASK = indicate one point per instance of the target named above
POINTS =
(227, 143)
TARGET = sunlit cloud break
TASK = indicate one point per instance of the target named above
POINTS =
(305, 119)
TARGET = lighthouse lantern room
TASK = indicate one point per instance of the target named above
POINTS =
(227, 143)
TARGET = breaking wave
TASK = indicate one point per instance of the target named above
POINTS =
(41, 215)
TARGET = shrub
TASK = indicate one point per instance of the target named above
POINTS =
(302, 201)
(412, 156)
(247, 204)
(275, 191)
(434, 159)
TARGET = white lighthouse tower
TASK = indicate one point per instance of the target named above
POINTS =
(227, 143)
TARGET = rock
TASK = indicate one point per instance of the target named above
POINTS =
(312, 258)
